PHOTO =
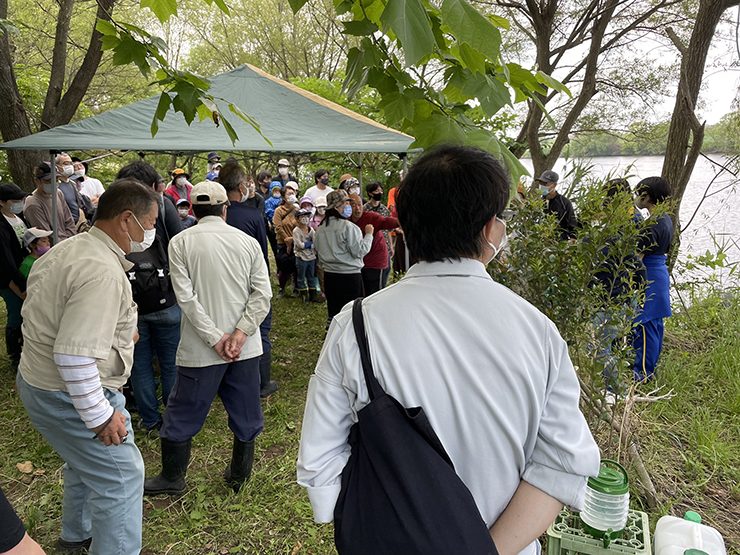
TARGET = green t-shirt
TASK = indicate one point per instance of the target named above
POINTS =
(26, 265)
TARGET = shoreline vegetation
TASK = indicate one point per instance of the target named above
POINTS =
(645, 139)
(689, 443)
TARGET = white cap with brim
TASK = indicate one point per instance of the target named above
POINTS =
(283, 162)
(33, 233)
(208, 193)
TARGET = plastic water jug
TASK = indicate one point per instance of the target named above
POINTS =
(607, 502)
(687, 536)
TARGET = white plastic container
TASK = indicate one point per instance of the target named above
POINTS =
(607, 500)
(676, 536)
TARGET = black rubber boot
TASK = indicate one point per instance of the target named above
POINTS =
(240, 469)
(304, 295)
(14, 345)
(267, 386)
(175, 459)
(63, 546)
(313, 296)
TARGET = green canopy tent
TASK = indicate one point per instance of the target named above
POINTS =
(294, 120)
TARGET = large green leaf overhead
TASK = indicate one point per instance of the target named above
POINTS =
(293, 120)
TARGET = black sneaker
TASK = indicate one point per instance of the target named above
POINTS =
(268, 390)
(63, 546)
(153, 431)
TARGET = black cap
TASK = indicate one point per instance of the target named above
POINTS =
(11, 191)
(213, 156)
(548, 176)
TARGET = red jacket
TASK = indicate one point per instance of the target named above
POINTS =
(377, 258)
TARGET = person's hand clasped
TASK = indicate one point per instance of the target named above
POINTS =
(114, 431)
(221, 347)
(234, 344)
(369, 229)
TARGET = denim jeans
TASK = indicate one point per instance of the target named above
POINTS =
(387, 271)
(306, 272)
(103, 486)
(159, 333)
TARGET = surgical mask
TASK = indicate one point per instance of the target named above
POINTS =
(376, 196)
(67, 170)
(283, 171)
(42, 250)
(80, 172)
(502, 244)
(180, 182)
(244, 198)
(354, 191)
(276, 194)
(291, 198)
(48, 188)
(544, 190)
(252, 189)
(16, 208)
(347, 211)
(321, 211)
(305, 220)
(149, 235)
(325, 180)
(183, 212)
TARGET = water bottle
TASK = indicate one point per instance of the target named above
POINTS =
(687, 536)
(607, 502)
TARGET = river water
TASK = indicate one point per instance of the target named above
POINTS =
(716, 218)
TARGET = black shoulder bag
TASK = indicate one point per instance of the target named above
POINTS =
(151, 285)
(400, 493)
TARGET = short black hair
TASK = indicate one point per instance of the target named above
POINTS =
(261, 176)
(126, 194)
(203, 210)
(231, 175)
(372, 186)
(438, 221)
(141, 171)
(656, 187)
(615, 186)
(318, 174)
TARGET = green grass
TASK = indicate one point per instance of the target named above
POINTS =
(690, 444)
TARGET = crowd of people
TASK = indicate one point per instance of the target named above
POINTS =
(147, 269)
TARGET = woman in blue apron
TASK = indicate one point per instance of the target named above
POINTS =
(653, 247)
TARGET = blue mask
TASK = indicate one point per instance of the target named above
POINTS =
(544, 190)
(347, 211)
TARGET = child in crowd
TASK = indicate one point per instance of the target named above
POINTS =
(272, 203)
(183, 209)
(318, 214)
(305, 256)
(37, 241)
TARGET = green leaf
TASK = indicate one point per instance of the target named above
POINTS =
(554, 84)
(248, 119)
(422, 110)
(381, 81)
(494, 97)
(435, 129)
(356, 73)
(230, 131)
(342, 6)
(396, 107)
(499, 21)
(472, 58)
(163, 106)
(105, 28)
(409, 21)
(198, 82)
(359, 28)
(163, 9)
(222, 6)
(296, 5)
(482, 138)
(470, 27)
(109, 42)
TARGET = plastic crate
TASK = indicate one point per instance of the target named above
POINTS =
(566, 536)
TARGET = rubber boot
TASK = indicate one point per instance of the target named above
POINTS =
(14, 345)
(175, 459)
(314, 297)
(304, 295)
(240, 469)
(267, 386)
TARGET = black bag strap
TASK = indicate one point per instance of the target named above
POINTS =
(358, 321)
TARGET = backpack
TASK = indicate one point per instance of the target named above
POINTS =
(151, 285)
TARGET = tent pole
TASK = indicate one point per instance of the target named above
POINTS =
(54, 210)
(404, 157)
(360, 170)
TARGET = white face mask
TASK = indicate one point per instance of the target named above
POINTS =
(180, 182)
(502, 244)
(321, 210)
(354, 191)
(15, 207)
(80, 172)
(48, 188)
(149, 235)
(291, 198)
(283, 171)
(183, 212)
(67, 170)
(304, 220)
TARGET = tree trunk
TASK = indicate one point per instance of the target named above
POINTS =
(14, 122)
(679, 158)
